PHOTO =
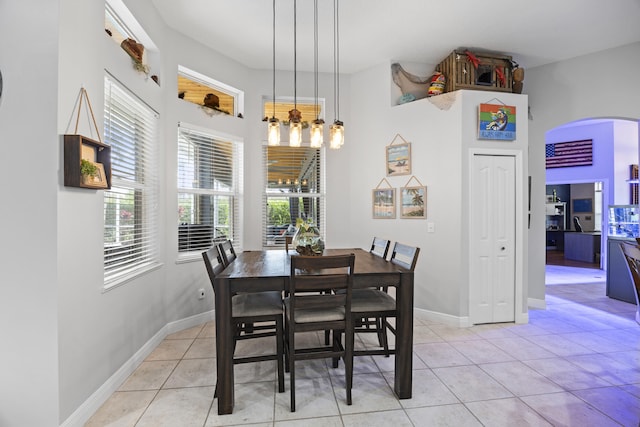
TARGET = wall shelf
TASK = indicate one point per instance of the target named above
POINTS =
(555, 223)
(78, 147)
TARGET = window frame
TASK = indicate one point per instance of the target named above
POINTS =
(236, 94)
(234, 194)
(268, 241)
(131, 129)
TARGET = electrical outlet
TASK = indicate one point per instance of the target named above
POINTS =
(201, 293)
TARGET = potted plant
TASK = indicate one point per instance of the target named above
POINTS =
(88, 170)
(307, 240)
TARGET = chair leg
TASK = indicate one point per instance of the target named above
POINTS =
(286, 345)
(348, 363)
(383, 334)
(280, 351)
(292, 369)
(337, 339)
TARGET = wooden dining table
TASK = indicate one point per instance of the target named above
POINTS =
(255, 271)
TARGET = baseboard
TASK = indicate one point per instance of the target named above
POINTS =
(537, 303)
(458, 321)
(81, 415)
(190, 322)
(447, 319)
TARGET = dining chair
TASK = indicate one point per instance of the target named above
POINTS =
(632, 255)
(379, 247)
(227, 253)
(287, 241)
(376, 303)
(324, 310)
(254, 315)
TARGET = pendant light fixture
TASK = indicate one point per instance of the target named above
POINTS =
(273, 128)
(336, 132)
(317, 126)
(295, 116)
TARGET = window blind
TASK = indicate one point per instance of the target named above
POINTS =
(209, 190)
(131, 206)
(294, 182)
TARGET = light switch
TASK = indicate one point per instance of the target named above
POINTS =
(431, 227)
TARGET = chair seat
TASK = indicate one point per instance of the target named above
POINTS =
(257, 304)
(371, 300)
(309, 315)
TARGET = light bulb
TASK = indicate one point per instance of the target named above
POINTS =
(273, 131)
(336, 135)
(317, 132)
(295, 133)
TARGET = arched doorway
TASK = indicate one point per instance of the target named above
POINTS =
(597, 176)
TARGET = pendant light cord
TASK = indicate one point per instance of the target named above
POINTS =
(295, 51)
(336, 59)
(274, 60)
(315, 55)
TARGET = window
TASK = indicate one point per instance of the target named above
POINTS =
(294, 189)
(120, 24)
(131, 206)
(218, 97)
(209, 179)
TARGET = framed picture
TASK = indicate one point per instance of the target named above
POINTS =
(497, 121)
(99, 180)
(399, 159)
(384, 203)
(582, 205)
(413, 202)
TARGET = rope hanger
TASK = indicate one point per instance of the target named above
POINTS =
(84, 94)
(404, 141)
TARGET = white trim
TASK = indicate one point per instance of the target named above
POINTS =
(521, 312)
(537, 303)
(89, 407)
(190, 322)
(235, 93)
(446, 319)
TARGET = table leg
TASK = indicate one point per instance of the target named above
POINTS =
(224, 347)
(404, 337)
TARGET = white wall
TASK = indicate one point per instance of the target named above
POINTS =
(626, 154)
(71, 336)
(101, 331)
(564, 92)
(28, 170)
(441, 140)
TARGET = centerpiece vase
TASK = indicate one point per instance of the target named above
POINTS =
(307, 240)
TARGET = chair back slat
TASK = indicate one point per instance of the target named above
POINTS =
(213, 263)
(227, 253)
(380, 247)
(321, 274)
(405, 256)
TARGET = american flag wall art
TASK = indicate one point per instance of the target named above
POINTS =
(566, 154)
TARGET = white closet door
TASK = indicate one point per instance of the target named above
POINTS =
(492, 240)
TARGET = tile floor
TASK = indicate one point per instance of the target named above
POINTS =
(577, 363)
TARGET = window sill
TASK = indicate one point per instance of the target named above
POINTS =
(129, 276)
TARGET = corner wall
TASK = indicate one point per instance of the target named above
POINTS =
(564, 92)
(28, 172)
(440, 140)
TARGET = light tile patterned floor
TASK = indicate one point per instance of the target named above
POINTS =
(575, 364)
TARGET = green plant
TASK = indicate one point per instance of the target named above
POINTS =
(87, 168)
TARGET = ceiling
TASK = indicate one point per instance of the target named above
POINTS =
(534, 32)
